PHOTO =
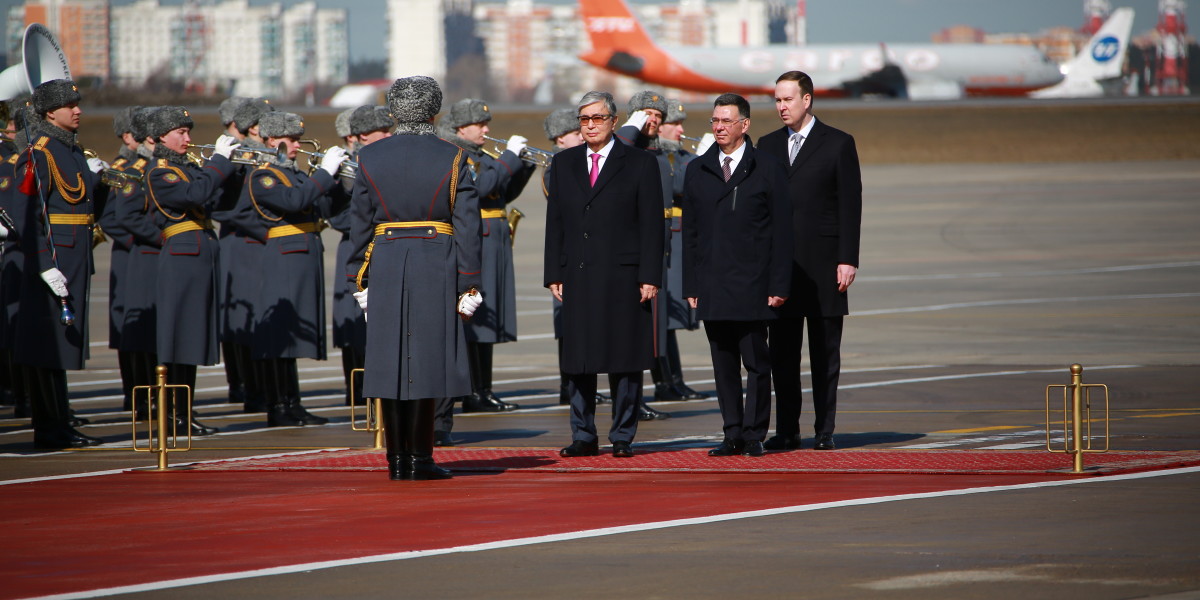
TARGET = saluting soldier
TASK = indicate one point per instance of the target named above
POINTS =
(363, 126)
(135, 214)
(55, 204)
(498, 181)
(184, 196)
(122, 243)
(290, 322)
(242, 238)
(415, 231)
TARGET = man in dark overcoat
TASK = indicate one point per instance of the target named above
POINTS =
(416, 255)
(737, 267)
(290, 299)
(604, 260)
(825, 184)
(183, 196)
(55, 203)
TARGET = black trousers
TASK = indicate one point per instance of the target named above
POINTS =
(626, 395)
(735, 344)
(825, 359)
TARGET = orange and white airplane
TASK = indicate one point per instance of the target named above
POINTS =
(917, 71)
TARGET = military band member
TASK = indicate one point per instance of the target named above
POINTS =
(184, 196)
(498, 181)
(12, 384)
(242, 238)
(290, 322)
(415, 233)
(134, 213)
(54, 204)
(227, 110)
(364, 125)
(122, 243)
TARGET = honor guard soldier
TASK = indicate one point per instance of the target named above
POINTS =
(55, 203)
(135, 215)
(499, 179)
(227, 110)
(122, 243)
(290, 319)
(12, 384)
(415, 231)
(363, 125)
(242, 238)
(184, 196)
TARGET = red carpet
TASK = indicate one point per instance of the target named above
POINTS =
(975, 462)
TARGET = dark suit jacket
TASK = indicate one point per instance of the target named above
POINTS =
(825, 185)
(602, 242)
(737, 236)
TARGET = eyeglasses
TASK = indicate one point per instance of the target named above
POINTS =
(725, 122)
(594, 119)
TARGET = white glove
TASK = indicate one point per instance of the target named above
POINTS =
(57, 282)
(96, 165)
(516, 144)
(706, 141)
(469, 302)
(332, 161)
(225, 145)
(637, 119)
(3, 232)
(361, 298)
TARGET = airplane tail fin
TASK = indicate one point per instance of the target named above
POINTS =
(1100, 60)
(611, 25)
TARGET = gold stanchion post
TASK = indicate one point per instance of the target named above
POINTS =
(1077, 418)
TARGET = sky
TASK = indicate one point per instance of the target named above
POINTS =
(829, 21)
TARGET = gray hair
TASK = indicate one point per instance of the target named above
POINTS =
(593, 97)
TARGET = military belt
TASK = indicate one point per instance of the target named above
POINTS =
(492, 213)
(433, 226)
(671, 213)
(71, 219)
(182, 227)
(286, 230)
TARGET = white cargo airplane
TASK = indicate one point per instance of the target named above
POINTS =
(1096, 71)
(917, 71)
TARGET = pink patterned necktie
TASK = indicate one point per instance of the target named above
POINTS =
(725, 170)
(595, 172)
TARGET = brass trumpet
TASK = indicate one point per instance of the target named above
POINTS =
(531, 155)
(241, 155)
(514, 217)
(694, 141)
(349, 168)
(115, 178)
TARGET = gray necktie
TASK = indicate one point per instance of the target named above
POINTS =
(725, 168)
(796, 139)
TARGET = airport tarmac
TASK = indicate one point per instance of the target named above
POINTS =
(980, 284)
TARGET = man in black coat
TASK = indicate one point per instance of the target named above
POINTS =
(604, 245)
(826, 189)
(737, 248)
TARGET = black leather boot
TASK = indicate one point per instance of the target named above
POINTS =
(278, 414)
(181, 374)
(417, 417)
(399, 459)
(291, 378)
(47, 389)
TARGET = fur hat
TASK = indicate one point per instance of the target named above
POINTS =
(414, 99)
(648, 99)
(342, 123)
(166, 119)
(675, 112)
(560, 122)
(278, 124)
(122, 121)
(466, 112)
(248, 114)
(54, 94)
(370, 118)
(229, 108)
(139, 121)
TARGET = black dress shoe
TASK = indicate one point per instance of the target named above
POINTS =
(688, 393)
(727, 448)
(198, 428)
(65, 437)
(824, 442)
(783, 442)
(486, 402)
(622, 449)
(602, 399)
(306, 418)
(665, 391)
(442, 438)
(645, 413)
(580, 448)
(754, 448)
